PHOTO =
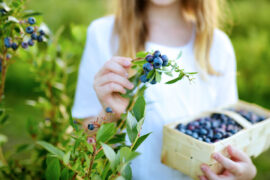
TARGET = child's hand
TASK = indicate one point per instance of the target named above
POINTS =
(239, 167)
(111, 80)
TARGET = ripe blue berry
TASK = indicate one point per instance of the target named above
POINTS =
(29, 29)
(149, 58)
(91, 127)
(34, 36)
(165, 60)
(7, 42)
(31, 42)
(157, 63)
(14, 46)
(31, 20)
(108, 110)
(8, 56)
(24, 45)
(156, 54)
(41, 32)
(40, 38)
(147, 67)
(143, 78)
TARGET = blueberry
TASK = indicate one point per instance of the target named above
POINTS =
(34, 36)
(7, 42)
(31, 42)
(41, 32)
(165, 60)
(147, 67)
(189, 132)
(157, 63)
(200, 139)
(31, 20)
(24, 45)
(195, 135)
(3, 11)
(14, 46)
(8, 56)
(91, 127)
(143, 78)
(40, 38)
(180, 126)
(108, 110)
(207, 140)
(203, 131)
(218, 136)
(149, 58)
(29, 29)
(156, 54)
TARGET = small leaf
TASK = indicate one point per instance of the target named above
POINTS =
(120, 178)
(140, 141)
(139, 108)
(176, 79)
(118, 138)
(131, 127)
(141, 54)
(179, 55)
(53, 169)
(158, 76)
(139, 125)
(110, 154)
(127, 155)
(65, 174)
(139, 62)
(66, 157)
(105, 132)
(126, 172)
(49, 147)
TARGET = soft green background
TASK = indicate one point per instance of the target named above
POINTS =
(250, 35)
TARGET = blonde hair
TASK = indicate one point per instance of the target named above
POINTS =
(131, 29)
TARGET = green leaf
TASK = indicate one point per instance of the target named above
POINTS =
(3, 139)
(126, 172)
(158, 76)
(139, 125)
(110, 154)
(24, 147)
(120, 178)
(49, 147)
(105, 132)
(139, 108)
(96, 177)
(29, 13)
(118, 138)
(139, 62)
(179, 55)
(66, 157)
(65, 174)
(176, 79)
(131, 127)
(151, 74)
(53, 170)
(127, 155)
(140, 141)
(141, 54)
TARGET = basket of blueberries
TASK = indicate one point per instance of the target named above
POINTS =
(189, 143)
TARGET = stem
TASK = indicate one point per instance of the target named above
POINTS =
(91, 162)
(2, 158)
(3, 75)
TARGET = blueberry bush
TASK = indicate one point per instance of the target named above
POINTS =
(60, 147)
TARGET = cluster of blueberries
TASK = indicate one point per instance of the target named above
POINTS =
(250, 116)
(154, 61)
(91, 126)
(210, 129)
(29, 30)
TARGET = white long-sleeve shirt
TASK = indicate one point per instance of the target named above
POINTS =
(165, 103)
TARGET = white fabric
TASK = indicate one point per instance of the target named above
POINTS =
(166, 103)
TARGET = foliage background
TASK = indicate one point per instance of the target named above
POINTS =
(250, 36)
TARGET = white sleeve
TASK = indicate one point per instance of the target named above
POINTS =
(227, 84)
(86, 103)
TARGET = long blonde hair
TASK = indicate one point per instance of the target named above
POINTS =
(132, 32)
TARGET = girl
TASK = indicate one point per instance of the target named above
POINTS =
(170, 26)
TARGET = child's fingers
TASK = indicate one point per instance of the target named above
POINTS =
(208, 172)
(237, 154)
(227, 163)
(203, 178)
